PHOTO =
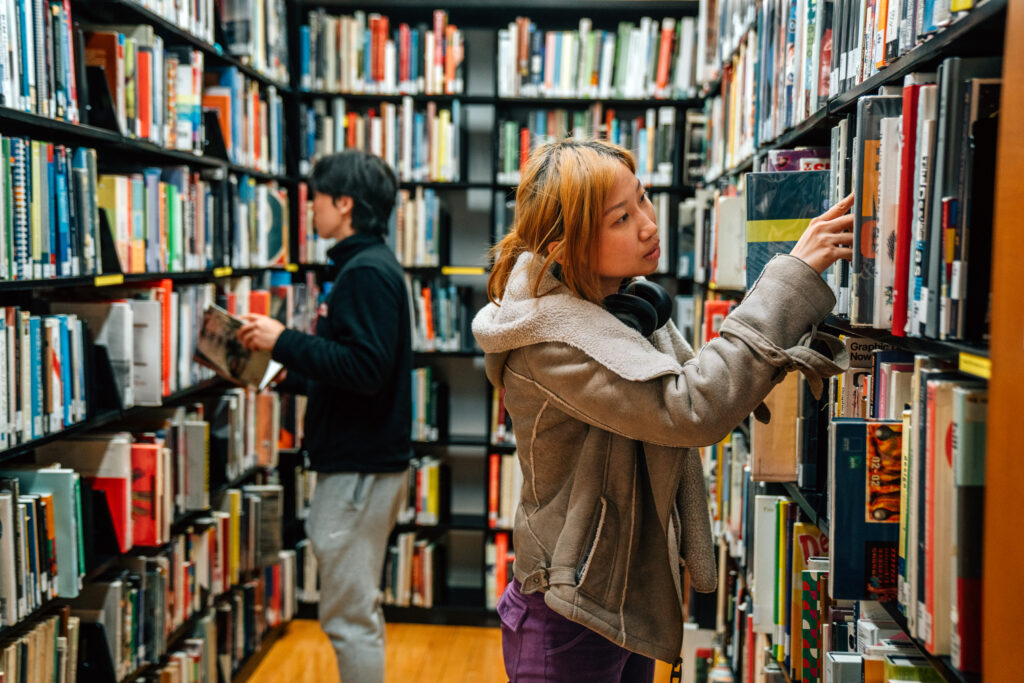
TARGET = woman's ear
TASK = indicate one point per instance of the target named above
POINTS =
(552, 246)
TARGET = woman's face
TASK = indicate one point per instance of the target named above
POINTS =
(628, 243)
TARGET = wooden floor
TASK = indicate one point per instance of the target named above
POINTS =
(415, 652)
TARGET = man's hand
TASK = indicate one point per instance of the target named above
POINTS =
(259, 333)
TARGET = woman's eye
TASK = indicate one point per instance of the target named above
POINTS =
(625, 216)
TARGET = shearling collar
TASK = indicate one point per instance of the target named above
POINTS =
(557, 315)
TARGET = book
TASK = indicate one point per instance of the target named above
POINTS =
(780, 206)
(219, 349)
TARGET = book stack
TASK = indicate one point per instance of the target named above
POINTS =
(505, 481)
(429, 403)
(442, 315)
(416, 228)
(364, 53)
(429, 490)
(413, 571)
(634, 61)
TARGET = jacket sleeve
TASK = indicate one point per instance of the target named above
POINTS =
(294, 383)
(770, 333)
(365, 314)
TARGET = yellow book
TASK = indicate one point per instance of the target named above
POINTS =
(234, 503)
(961, 5)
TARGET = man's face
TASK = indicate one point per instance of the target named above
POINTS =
(327, 217)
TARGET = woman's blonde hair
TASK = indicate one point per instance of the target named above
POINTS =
(560, 199)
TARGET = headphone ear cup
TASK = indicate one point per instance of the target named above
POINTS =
(633, 311)
(656, 295)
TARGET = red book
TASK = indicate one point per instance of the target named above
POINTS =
(404, 47)
(146, 484)
(493, 486)
(428, 305)
(350, 140)
(144, 91)
(303, 224)
(524, 147)
(905, 217)
(259, 301)
(665, 54)
(440, 22)
(500, 564)
(714, 315)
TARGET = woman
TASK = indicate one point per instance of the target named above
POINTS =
(606, 419)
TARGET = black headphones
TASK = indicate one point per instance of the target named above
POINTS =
(642, 305)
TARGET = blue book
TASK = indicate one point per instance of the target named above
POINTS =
(304, 58)
(64, 255)
(36, 375)
(414, 56)
(864, 511)
(138, 218)
(65, 367)
(27, 65)
(558, 62)
(48, 176)
(780, 206)
(419, 120)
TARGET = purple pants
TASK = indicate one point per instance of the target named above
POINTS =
(540, 645)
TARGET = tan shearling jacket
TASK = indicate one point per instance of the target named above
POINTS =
(607, 423)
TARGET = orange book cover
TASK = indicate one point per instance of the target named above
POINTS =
(265, 423)
(144, 94)
(500, 563)
(449, 59)
(51, 541)
(665, 53)
(221, 102)
(428, 305)
(524, 147)
(259, 301)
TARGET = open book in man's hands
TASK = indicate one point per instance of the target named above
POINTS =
(220, 350)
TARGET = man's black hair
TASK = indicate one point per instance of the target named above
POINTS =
(366, 179)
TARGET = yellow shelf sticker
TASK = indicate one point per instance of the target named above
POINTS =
(108, 280)
(462, 270)
(292, 267)
(223, 271)
(979, 366)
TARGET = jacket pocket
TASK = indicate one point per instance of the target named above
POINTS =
(596, 567)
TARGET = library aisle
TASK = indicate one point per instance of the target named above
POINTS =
(415, 652)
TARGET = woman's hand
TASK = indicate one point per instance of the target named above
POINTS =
(828, 238)
(259, 333)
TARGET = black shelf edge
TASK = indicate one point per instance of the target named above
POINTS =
(469, 441)
(942, 663)
(486, 9)
(127, 278)
(105, 418)
(132, 10)
(934, 347)
(796, 134)
(544, 102)
(455, 523)
(942, 44)
(812, 514)
(502, 447)
(371, 98)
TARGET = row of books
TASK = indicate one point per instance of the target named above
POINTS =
(652, 59)
(414, 571)
(787, 58)
(58, 218)
(52, 640)
(421, 143)
(363, 53)
(441, 315)
(251, 122)
(428, 493)
(504, 484)
(255, 32)
(651, 136)
(429, 405)
(33, 36)
(311, 247)
(417, 225)
(922, 160)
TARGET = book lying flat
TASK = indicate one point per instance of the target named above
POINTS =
(220, 349)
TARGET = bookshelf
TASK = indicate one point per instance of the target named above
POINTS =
(121, 150)
(475, 202)
(991, 28)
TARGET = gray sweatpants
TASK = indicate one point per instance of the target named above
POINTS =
(348, 525)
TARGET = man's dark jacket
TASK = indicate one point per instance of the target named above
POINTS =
(357, 369)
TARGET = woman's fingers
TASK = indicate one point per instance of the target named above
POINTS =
(840, 207)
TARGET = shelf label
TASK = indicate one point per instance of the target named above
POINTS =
(979, 366)
(223, 271)
(292, 267)
(462, 270)
(108, 280)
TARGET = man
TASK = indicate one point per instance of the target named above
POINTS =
(356, 372)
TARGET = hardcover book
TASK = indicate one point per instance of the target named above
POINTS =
(219, 349)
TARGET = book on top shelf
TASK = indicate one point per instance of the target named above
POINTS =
(220, 350)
